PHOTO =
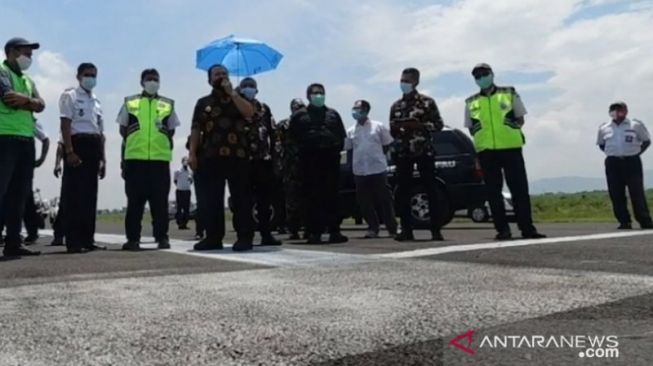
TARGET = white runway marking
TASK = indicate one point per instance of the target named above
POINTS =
(284, 257)
(507, 244)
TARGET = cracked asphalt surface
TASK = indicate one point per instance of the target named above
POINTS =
(328, 305)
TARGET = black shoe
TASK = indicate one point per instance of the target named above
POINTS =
(242, 246)
(337, 238)
(533, 235)
(405, 236)
(207, 245)
(269, 240)
(294, 236)
(503, 236)
(625, 227)
(436, 235)
(314, 239)
(282, 231)
(57, 242)
(75, 250)
(31, 239)
(305, 235)
(163, 243)
(647, 226)
(132, 246)
(19, 251)
(94, 247)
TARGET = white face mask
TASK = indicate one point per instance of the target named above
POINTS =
(24, 62)
(151, 87)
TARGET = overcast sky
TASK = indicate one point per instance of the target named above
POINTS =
(569, 59)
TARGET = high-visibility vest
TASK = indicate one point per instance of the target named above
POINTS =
(147, 132)
(494, 125)
(17, 122)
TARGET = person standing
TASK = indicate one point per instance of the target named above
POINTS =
(82, 130)
(262, 176)
(288, 166)
(495, 117)
(624, 140)
(320, 135)
(147, 124)
(219, 154)
(413, 120)
(369, 141)
(183, 180)
(19, 100)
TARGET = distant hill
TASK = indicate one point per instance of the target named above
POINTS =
(577, 184)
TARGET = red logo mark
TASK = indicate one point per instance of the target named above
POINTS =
(465, 348)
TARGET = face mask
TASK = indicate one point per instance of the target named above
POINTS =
(406, 88)
(88, 83)
(24, 62)
(249, 92)
(151, 87)
(358, 115)
(485, 82)
(318, 100)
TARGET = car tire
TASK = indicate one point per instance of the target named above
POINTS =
(419, 208)
(479, 215)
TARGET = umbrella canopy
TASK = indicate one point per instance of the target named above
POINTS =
(242, 57)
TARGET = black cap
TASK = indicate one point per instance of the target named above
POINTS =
(481, 66)
(18, 42)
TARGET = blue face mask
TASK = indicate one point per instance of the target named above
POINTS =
(88, 83)
(358, 115)
(406, 88)
(318, 100)
(485, 82)
(249, 92)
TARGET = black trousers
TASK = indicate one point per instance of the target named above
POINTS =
(509, 163)
(31, 218)
(147, 182)
(213, 174)
(263, 182)
(199, 228)
(59, 221)
(321, 173)
(278, 203)
(405, 189)
(16, 173)
(183, 207)
(625, 173)
(80, 190)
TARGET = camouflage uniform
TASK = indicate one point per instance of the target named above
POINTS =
(288, 166)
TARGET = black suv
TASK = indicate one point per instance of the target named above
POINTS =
(459, 178)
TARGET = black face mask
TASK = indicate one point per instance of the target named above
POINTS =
(217, 84)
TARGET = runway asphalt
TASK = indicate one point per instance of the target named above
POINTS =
(366, 302)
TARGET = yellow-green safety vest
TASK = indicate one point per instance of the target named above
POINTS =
(494, 125)
(17, 122)
(147, 132)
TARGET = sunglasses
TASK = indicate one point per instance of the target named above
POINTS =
(481, 73)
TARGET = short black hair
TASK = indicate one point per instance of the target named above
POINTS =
(365, 104)
(314, 85)
(85, 66)
(412, 72)
(208, 72)
(148, 72)
(618, 105)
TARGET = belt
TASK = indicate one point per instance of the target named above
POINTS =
(623, 157)
(17, 138)
(86, 136)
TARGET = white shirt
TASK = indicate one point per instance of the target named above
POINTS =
(183, 179)
(83, 109)
(123, 119)
(367, 142)
(624, 139)
(39, 132)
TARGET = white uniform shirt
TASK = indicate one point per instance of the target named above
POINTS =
(123, 119)
(183, 179)
(624, 139)
(39, 132)
(367, 142)
(83, 109)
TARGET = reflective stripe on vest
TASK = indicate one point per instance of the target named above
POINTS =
(149, 140)
(17, 122)
(494, 125)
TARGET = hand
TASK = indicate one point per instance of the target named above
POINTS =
(227, 87)
(57, 171)
(103, 169)
(73, 160)
(192, 161)
(14, 99)
(39, 162)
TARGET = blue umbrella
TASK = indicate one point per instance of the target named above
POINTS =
(242, 57)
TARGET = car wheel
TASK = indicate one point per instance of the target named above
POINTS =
(419, 209)
(479, 214)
